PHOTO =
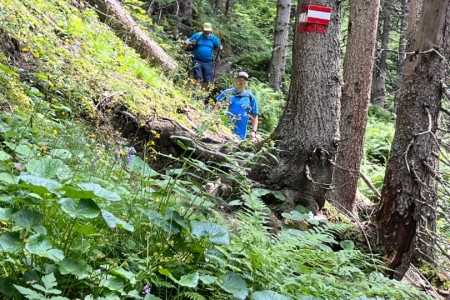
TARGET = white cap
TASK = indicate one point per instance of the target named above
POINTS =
(242, 74)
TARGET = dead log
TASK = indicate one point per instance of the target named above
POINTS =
(113, 14)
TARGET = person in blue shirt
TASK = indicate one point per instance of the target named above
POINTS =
(205, 42)
(242, 105)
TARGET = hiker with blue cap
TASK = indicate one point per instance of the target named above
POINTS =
(205, 42)
(242, 105)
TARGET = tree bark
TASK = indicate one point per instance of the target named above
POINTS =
(112, 13)
(228, 7)
(358, 67)
(281, 30)
(308, 131)
(379, 77)
(401, 50)
(186, 8)
(408, 203)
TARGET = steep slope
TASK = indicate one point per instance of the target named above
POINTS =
(62, 54)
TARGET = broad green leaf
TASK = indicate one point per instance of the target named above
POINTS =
(112, 221)
(297, 216)
(48, 167)
(217, 234)
(27, 218)
(151, 297)
(234, 284)
(6, 213)
(4, 156)
(85, 229)
(21, 150)
(40, 185)
(83, 208)
(71, 192)
(74, 266)
(141, 167)
(4, 127)
(11, 242)
(347, 245)
(61, 153)
(207, 279)
(268, 295)
(127, 275)
(40, 245)
(190, 280)
(112, 282)
(8, 178)
(99, 191)
(7, 287)
(175, 216)
(161, 222)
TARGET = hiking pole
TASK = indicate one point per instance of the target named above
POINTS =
(215, 64)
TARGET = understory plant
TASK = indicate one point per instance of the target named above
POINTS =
(81, 218)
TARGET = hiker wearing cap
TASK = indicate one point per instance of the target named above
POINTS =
(242, 105)
(205, 42)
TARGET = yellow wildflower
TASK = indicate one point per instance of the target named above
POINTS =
(122, 153)
(26, 49)
(55, 131)
(43, 148)
(157, 200)
(93, 136)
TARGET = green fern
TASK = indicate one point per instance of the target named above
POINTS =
(192, 296)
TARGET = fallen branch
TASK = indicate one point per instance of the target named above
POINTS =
(112, 13)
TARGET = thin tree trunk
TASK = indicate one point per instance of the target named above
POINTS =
(228, 7)
(281, 30)
(401, 50)
(186, 8)
(112, 13)
(358, 67)
(408, 204)
(379, 77)
(309, 128)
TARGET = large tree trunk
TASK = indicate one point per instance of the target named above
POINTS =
(358, 67)
(281, 30)
(401, 49)
(308, 131)
(408, 203)
(379, 76)
(112, 13)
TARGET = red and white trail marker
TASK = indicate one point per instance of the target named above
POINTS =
(314, 18)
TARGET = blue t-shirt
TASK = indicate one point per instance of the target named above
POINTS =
(241, 106)
(205, 45)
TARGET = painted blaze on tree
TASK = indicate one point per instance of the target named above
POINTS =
(308, 131)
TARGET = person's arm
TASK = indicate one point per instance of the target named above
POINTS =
(192, 40)
(254, 126)
(216, 43)
(219, 98)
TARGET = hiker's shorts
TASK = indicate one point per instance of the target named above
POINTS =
(203, 70)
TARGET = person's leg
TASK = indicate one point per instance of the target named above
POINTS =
(207, 74)
(198, 74)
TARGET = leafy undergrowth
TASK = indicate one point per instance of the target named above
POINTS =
(85, 219)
